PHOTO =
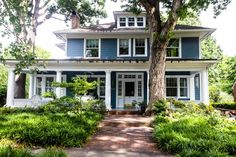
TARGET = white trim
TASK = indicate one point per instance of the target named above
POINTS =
(127, 21)
(99, 48)
(180, 48)
(10, 87)
(178, 85)
(145, 48)
(118, 47)
(108, 90)
(200, 47)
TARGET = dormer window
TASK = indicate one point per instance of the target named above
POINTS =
(131, 22)
(140, 21)
(122, 22)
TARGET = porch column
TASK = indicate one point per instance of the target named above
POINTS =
(31, 85)
(192, 87)
(10, 88)
(108, 90)
(58, 79)
(148, 86)
(204, 86)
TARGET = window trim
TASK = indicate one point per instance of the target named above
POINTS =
(119, 21)
(134, 48)
(180, 48)
(118, 47)
(144, 21)
(127, 22)
(99, 48)
(135, 21)
(178, 85)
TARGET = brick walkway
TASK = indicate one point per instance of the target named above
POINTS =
(120, 135)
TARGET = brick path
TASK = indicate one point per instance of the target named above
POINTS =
(123, 135)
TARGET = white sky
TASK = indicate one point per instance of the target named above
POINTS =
(224, 23)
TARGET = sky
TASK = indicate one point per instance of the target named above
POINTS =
(225, 24)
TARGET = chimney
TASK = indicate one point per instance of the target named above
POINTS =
(75, 21)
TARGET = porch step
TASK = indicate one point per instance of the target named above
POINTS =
(123, 112)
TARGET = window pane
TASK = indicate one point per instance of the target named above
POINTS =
(173, 48)
(171, 87)
(183, 82)
(140, 88)
(102, 86)
(39, 86)
(124, 46)
(119, 88)
(173, 43)
(140, 21)
(183, 87)
(183, 92)
(122, 22)
(49, 87)
(131, 21)
(92, 47)
(140, 46)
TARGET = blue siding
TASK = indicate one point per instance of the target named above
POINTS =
(197, 88)
(108, 48)
(113, 90)
(75, 47)
(190, 48)
(145, 87)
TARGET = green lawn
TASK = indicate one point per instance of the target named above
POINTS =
(45, 129)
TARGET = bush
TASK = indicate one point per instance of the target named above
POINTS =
(195, 131)
(51, 153)
(160, 107)
(48, 129)
(3, 95)
(95, 106)
(49, 95)
(226, 105)
(214, 94)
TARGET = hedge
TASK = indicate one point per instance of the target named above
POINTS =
(225, 105)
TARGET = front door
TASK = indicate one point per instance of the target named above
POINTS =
(129, 92)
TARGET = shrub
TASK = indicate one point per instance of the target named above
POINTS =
(95, 106)
(8, 151)
(49, 95)
(160, 107)
(214, 94)
(226, 105)
(51, 153)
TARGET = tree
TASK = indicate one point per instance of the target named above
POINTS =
(21, 18)
(161, 30)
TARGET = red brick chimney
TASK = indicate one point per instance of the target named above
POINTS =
(75, 21)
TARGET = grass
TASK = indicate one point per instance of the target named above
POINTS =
(196, 134)
(45, 129)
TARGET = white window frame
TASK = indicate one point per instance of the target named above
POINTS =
(144, 21)
(118, 22)
(178, 85)
(180, 49)
(135, 21)
(127, 22)
(99, 48)
(43, 83)
(118, 48)
(145, 49)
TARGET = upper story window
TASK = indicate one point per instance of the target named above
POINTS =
(92, 48)
(140, 47)
(122, 22)
(140, 21)
(173, 48)
(131, 21)
(123, 47)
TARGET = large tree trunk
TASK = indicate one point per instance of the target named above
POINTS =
(20, 86)
(157, 89)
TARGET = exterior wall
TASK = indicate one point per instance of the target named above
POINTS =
(75, 48)
(190, 48)
(108, 48)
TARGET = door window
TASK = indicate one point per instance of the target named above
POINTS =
(129, 88)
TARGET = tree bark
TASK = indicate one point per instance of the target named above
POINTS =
(20, 86)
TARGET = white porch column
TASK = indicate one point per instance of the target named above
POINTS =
(31, 85)
(148, 87)
(204, 86)
(10, 88)
(192, 88)
(58, 79)
(108, 90)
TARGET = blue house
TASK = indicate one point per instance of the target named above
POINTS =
(117, 54)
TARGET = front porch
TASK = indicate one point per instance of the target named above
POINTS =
(120, 86)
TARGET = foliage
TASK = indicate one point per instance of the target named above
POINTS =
(214, 94)
(176, 103)
(8, 151)
(95, 106)
(48, 129)
(49, 95)
(195, 131)
(224, 105)
(42, 53)
(3, 85)
(160, 107)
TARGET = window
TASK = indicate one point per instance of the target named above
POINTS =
(183, 87)
(48, 87)
(177, 87)
(171, 87)
(131, 21)
(39, 85)
(173, 48)
(140, 47)
(122, 22)
(119, 88)
(124, 47)
(140, 21)
(92, 48)
(102, 87)
(140, 88)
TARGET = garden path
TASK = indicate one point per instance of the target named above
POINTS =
(120, 135)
